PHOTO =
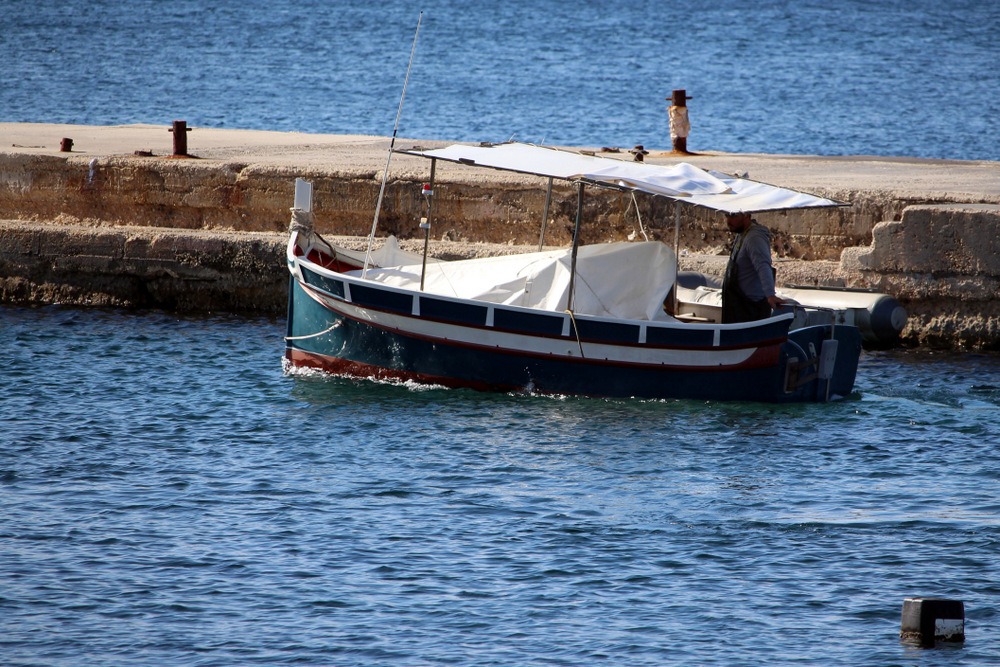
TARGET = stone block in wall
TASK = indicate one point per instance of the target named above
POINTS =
(143, 267)
(941, 240)
(943, 263)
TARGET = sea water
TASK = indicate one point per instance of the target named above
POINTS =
(892, 78)
(169, 496)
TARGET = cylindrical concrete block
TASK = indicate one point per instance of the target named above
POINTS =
(930, 620)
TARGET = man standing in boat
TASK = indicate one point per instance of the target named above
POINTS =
(748, 287)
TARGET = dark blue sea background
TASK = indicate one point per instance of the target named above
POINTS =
(896, 78)
(169, 495)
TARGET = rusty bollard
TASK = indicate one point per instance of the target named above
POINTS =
(680, 127)
(66, 145)
(638, 153)
(180, 130)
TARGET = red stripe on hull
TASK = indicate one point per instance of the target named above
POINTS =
(362, 371)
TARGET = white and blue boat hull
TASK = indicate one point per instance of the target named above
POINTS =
(349, 326)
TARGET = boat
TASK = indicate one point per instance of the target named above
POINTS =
(603, 320)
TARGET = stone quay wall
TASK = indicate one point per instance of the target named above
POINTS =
(208, 235)
(501, 209)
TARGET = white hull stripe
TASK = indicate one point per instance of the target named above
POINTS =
(523, 343)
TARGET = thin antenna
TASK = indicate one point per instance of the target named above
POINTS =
(392, 144)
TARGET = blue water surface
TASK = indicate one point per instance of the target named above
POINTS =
(169, 496)
(895, 77)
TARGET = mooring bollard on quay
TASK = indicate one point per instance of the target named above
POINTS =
(180, 130)
(680, 125)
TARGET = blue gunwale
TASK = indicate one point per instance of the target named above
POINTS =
(399, 301)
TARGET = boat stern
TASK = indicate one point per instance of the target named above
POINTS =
(821, 362)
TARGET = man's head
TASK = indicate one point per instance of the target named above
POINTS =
(738, 222)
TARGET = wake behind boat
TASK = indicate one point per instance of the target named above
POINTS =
(588, 320)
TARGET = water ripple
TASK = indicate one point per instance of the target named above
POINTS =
(193, 511)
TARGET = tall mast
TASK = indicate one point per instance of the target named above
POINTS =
(392, 144)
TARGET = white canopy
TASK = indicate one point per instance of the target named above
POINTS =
(682, 182)
(620, 280)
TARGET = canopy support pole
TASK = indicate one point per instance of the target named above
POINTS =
(545, 215)
(426, 223)
(576, 245)
(677, 250)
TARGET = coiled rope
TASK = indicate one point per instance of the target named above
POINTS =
(302, 221)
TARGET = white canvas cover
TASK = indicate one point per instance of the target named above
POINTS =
(619, 280)
(683, 181)
(388, 254)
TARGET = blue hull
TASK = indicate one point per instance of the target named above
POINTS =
(318, 336)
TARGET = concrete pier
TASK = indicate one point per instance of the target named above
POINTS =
(120, 220)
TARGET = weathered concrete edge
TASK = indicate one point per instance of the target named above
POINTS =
(244, 272)
(142, 267)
